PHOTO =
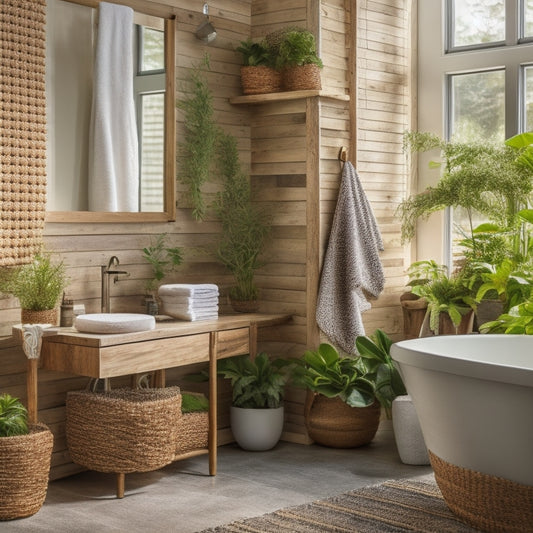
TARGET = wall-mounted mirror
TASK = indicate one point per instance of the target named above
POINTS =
(71, 67)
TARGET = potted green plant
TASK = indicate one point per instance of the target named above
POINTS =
(299, 61)
(451, 304)
(163, 260)
(258, 386)
(258, 72)
(414, 307)
(518, 321)
(341, 409)
(245, 227)
(26, 451)
(38, 286)
(198, 142)
(390, 391)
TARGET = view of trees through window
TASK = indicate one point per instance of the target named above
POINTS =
(475, 22)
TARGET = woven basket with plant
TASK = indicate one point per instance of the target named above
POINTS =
(258, 75)
(25, 452)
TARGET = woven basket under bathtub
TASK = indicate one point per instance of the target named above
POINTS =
(488, 503)
(123, 430)
(24, 470)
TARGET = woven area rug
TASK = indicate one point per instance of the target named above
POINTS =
(393, 506)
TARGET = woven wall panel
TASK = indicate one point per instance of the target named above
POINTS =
(22, 129)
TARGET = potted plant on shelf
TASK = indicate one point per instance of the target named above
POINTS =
(258, 73)
(38, 287)
(26, 451)
(390, 391)
(341, 409)
(163, 259)
(258, 387)
(299, 61)
(245, 227)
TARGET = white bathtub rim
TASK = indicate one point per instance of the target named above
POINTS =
(417, 352)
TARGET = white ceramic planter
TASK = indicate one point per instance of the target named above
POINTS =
(407, 432)
(256, 429)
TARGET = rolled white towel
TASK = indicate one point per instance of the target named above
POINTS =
(189, 289)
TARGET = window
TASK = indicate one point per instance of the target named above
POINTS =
(475, 79)
(149, 86)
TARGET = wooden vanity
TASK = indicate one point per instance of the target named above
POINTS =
(171, 344)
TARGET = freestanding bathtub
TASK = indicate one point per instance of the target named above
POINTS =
(474, 397)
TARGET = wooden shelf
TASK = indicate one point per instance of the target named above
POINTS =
(290, 95)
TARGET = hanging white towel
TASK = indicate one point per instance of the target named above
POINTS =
(113, 145)
(352, 266)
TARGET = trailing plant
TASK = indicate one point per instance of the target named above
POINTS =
(374, 351)
(297, 48)
(518, 321)
(163, 260)
(37, 285)
(13, 417)
(256, 54)
(197, 149)
(257, 383)
(325, 372)
(245, 225)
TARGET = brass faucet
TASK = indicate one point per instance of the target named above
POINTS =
(106, 272)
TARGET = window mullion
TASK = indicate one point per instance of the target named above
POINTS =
(512, 22)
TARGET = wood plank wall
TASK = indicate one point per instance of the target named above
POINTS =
(291, 149)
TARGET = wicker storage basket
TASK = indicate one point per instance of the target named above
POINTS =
(193, 429)
(123, 430)
(48, 316)
(332, 422)
(485, 502)
(260, 80)
(301, 77)
(245, 306)
(24, 471)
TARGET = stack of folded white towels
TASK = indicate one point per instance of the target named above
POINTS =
(189, 301)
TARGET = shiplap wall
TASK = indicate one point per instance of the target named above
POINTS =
(291, 150)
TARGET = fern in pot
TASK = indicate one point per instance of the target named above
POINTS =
(258, 386)
(299, 61)
(26, 451)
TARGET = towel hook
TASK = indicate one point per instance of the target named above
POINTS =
(343, 155)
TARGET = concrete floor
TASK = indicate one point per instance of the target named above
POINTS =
(183, 498)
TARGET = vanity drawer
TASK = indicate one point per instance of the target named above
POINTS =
(233, 342)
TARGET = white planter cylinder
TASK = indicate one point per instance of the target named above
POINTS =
(256, 429)
(407, 432)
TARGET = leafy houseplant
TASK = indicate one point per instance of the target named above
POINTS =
(518, 321)
(374, 350)
(448, 297)
(258, 73)
(341, 410)
(199, 140)
(163, 260)
(258, 387)
(38, 287)
(245, 226)
(299, 61)
(26, 451)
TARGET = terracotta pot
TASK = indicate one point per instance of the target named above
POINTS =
(414, 311)
(48, 316)
(332, 422)
(466, 325)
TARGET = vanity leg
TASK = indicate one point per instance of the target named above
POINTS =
(212, 442)
(121, 482)
(31, 386)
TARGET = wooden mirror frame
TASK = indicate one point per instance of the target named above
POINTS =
(169, 213)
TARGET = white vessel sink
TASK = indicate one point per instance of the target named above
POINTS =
(114, 323)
